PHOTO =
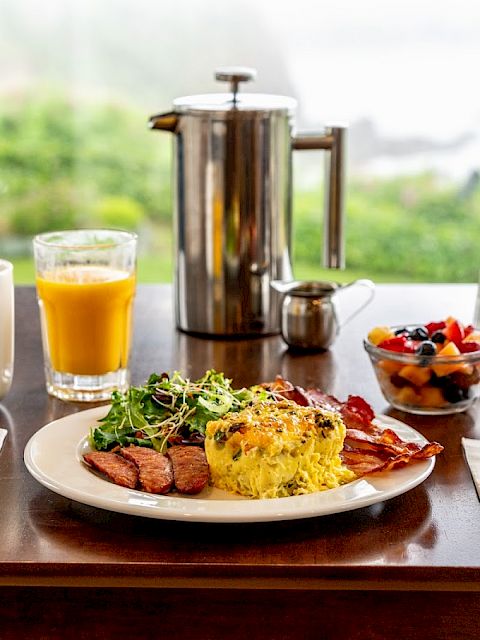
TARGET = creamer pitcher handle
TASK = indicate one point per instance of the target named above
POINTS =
(369, 285)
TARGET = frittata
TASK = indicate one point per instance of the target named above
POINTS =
(276, 449)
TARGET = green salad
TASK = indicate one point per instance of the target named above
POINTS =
(170, 409)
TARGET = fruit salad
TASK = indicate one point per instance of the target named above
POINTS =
(431, 368)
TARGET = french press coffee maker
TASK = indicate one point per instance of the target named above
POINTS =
(233, 205)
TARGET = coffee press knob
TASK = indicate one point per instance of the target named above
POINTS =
(235, 75)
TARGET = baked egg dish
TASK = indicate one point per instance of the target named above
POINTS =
(276, 449)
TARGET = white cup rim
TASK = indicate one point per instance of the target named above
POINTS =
(5, 266)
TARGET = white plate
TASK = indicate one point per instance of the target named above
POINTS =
(54, 457)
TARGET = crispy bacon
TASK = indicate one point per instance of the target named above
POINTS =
(368, 448)
(362, 461)
(356, 413)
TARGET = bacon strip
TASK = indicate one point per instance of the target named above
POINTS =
(368, 448)
(363, 462)
(356, 413)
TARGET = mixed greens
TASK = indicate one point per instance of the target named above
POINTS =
(170, 409)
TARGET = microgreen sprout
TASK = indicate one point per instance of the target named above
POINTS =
(167, 408)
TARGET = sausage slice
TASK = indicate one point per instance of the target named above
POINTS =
(190, 468)
(154, 469)
(117, 469)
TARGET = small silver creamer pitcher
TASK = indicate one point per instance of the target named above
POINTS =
(309, 315)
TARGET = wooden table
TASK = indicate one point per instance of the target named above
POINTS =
(406, 568)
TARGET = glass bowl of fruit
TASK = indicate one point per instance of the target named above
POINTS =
(427, 369)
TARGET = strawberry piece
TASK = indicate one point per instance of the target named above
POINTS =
(431, 327)
(400, 344)
(455, 332)
(468, 347)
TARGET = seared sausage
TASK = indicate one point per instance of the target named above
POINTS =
(190, 468)
(117, 469)
(154, 469)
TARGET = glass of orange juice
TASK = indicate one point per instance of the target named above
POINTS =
(85, 287)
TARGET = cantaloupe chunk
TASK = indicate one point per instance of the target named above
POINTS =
(415, 374)
(450, 349)
(408, 395)
(390, 366)
(432, 397)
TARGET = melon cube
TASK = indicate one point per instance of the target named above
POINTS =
(450, 349)
(432, 397)
(408, 395)
(415, 374)
(390, 366)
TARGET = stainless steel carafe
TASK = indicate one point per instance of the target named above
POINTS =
(233, 201)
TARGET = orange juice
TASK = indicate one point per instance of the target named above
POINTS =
(87, 318)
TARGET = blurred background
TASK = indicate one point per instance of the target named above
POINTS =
(79, 79)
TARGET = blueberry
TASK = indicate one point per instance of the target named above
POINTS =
(452, 393)
(419, 333)
(426, 348)
(401, 331)
(436, 381)
(438, 337)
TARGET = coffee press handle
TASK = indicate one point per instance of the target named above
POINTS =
(333, 140)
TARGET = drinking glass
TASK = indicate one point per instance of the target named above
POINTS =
(6, 326)
(85, 289)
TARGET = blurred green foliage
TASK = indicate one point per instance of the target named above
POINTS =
(59, 160)
(119, 212)
(69, 164)
(415, 228)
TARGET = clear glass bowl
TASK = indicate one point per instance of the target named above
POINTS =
(428, 385)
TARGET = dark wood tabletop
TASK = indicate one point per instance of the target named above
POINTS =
(408, 567)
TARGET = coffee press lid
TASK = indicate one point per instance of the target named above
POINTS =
(234, 101)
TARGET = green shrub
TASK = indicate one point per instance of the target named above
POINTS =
(47, 208)
(413, 228)
(118, 212)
